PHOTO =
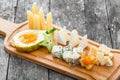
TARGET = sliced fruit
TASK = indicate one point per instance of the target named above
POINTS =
(28, 40)
(48, 41)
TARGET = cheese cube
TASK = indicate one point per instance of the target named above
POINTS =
(100, 56)
(110, 55)
(57, 51)
(67, 48)
(71, 58)
(109, 62)
(66, 56)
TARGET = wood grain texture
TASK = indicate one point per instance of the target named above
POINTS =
(113, 10)
(96, 21)
(20, 69)
(99, 19)
(42, 57)
(7, 10)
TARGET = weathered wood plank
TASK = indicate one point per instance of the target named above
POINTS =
(96, 21)
(88, 17)
(3, 60)
(20, 69)
(113, 9)
(7, 10)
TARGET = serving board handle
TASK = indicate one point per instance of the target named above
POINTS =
(7, 27)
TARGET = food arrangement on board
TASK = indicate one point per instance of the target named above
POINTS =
(68, 47)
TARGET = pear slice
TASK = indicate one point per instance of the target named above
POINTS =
(28, 40)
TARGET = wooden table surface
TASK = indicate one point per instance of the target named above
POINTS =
(99, 19)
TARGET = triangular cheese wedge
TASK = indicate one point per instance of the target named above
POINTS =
(74, 38)
(63, 36)
(84, 42)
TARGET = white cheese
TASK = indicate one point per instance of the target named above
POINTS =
(109, 62)
(74, 38)
(104, 49)
(75, 56)
(57, 51)
(63, 36)
(84, 42)
(78, 50)
(100, 56)
(67, 48)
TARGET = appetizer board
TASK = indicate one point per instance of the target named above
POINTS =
(44, 58)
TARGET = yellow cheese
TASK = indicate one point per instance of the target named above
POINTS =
(36, 22)
(49, 21)
(30, 19)
(34, 8)
(42, 20)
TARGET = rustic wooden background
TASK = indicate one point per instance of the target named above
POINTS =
(100, 19)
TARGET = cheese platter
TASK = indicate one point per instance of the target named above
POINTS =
(43, 43)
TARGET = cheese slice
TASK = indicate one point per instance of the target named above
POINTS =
(35, 8)
(63, 36)
(104, 48)
(30, 19)
(49, 21)
(74, 38)
(36, 22)
(84, 42)
(42, 20)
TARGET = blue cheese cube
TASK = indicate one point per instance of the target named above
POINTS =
(71, 58)
(57, 51)
(67, 48)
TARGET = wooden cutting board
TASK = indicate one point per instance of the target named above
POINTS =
(42, 57)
